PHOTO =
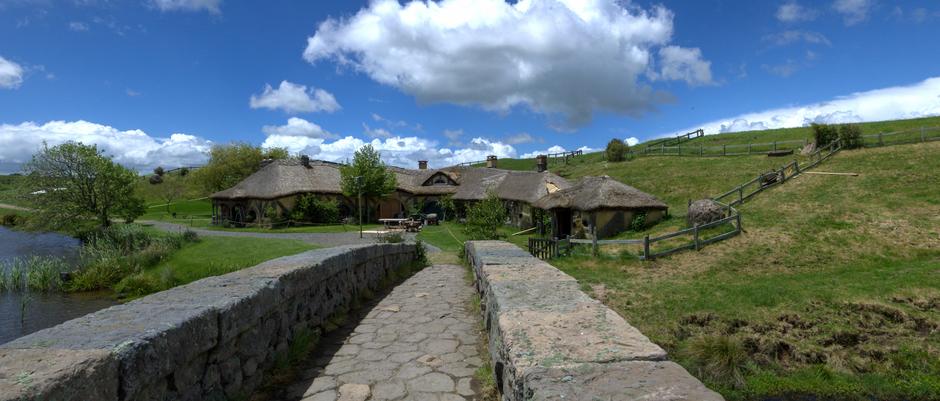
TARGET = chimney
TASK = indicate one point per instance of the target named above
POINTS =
(422, 164)
(305, 161)
(541, 163)
(491, 161)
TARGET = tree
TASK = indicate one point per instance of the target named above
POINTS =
(485, 217)
(851, 136)
(616, 150)
(73, 182)
(447, 206)
(231, 163)
(375, 182)
(824, 134)
(159, 171)
(171, 190)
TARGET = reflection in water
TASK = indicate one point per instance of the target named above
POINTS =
(42, 310)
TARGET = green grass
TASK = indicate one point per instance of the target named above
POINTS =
(824, 258)
(449, 236)
(210, 256)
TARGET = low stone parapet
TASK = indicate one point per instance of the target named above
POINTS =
(550, 341)
(210, 339)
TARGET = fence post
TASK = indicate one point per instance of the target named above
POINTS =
(695, 236)
(646, 247)
(662, 149)
(594, 240)
(775, 146)
(881, 141)
(740, 194)
(922, 137)
(701, 150)
(724, 150)
(739, 222)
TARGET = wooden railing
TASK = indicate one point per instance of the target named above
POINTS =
(548, 248)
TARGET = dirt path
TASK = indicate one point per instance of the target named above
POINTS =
(14, 207)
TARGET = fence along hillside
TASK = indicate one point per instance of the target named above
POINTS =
(696, 237)
(915, 135)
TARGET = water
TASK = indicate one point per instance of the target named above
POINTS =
(41, 310)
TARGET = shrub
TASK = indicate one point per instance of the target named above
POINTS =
(155, 179)
(391, 237)
(190, 236)
(312, 209)
(616, 150)
(824, 134)
(9, 220)
(639, 222)
(851, 136)
(484, 218)
(421, 254)
(718, 358)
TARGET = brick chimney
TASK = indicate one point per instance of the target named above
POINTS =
(422, 164)
(491, 161)
(541, 163)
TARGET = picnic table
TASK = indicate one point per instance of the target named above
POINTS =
(393, 224)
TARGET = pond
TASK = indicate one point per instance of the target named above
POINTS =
(20, 313)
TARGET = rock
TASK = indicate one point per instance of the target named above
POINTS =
(354, 392)
(704, 211)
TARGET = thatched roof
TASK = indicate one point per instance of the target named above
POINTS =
(592, 193)
(289, 177)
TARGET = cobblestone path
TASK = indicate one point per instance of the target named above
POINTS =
(418, 343)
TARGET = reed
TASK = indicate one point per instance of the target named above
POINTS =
(34, 273)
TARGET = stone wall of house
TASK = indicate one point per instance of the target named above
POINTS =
(212, 339)
(550, 341)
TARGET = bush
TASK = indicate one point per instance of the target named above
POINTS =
(391, 237)
(312, 209)
(639, 222)
(156, 179)
(421, 254)
(824, 134)
(484, 218)
(9, 220)
(851, 136)
(616, 150)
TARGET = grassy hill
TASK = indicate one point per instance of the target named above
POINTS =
(833, 291)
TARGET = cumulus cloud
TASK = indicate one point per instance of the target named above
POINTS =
(792, 11)
(853, 11)
(632, 141)
(298, 127)
(134, 149)
(499, 55)
(554, 149)
(901, 102)
(212, 6)
(396, 150)
(376, 132)
(683, 64)
(11, 74)
(788, 37)
(294, 98)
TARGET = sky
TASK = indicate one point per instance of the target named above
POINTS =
(158, 82)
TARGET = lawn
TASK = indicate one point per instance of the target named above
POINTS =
(210, 256)
(833, 291)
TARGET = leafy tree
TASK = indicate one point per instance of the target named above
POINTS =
(229, 164)
(71, 183)
(159, 171)
(376, 180)
(485, 217)
(171, 190)
(616, 150)
(310, 208)
(184, 171)
(447, 206)
(851, 136)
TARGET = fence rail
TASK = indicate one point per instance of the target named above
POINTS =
(547, 248)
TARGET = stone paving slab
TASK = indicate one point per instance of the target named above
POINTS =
(420, 342)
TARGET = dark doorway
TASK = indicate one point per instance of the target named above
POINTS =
(562, 223)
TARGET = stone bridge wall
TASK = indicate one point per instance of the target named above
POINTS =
(208, 340)
(550, 341)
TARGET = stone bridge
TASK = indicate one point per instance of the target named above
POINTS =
(221, 338)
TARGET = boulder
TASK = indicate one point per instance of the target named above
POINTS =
(704, 211)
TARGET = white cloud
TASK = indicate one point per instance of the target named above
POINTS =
(901, 102)
(853, 11)
(632, 141)
(791, 11)
(11, 74)
(498, 55)
(78, 26)
(520, 138)
(787, 37)
(683, 64)
(294, 98)
(376, 132)
(134, 149)
(553, 149)
(212, 6)
(298, 127)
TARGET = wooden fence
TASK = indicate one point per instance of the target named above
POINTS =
(547, 248)
(678, 139)
(916, 135)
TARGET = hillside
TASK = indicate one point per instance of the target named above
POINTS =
(833, 291)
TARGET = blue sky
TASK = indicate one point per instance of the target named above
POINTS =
(156, 82)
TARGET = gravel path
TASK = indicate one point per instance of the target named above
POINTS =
(322, 239)
(418, 343)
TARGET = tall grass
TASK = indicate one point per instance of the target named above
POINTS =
(34, 273)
